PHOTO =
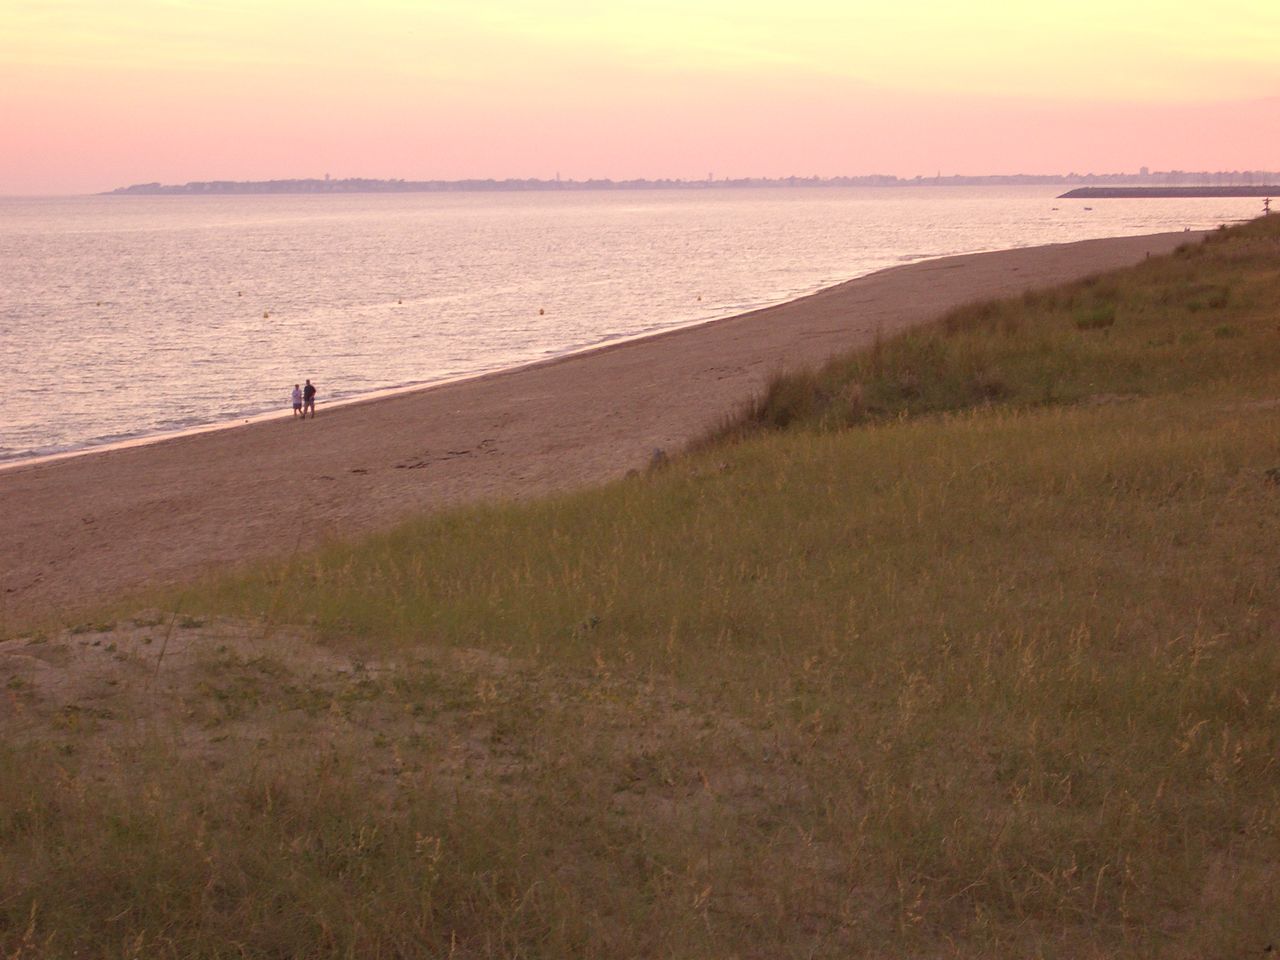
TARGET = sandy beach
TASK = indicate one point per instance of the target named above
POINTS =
(77, 531)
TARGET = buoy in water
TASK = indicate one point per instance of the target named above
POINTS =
(265, 314)
(541, 312)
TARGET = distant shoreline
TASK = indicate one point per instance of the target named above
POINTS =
(1146, 184)
(1134, 193)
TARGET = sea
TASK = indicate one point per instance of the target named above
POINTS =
(127, 318)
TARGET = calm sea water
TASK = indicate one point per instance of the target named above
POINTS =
(127, 317)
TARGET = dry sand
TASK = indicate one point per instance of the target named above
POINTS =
(77, 531)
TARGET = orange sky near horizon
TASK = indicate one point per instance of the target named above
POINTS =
(97, 94)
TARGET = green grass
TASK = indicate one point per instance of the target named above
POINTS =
(1147, 332)
(963, 646)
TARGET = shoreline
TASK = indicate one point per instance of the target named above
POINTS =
(383, 393)
(86, 527)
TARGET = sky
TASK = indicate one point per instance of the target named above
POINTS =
(96, 94)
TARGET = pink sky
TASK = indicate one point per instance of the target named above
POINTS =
(98, 95)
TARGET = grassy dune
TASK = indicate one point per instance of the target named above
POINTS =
(962, 646)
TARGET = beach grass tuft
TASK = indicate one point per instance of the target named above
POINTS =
(1101, 336)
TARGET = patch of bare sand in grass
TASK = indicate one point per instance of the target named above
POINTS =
(223, 681)
(103, 689)
(616, 750)
(1109, 399)
(1267, 403)
(213, 686)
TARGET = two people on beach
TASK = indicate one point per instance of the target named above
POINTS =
(304, 399)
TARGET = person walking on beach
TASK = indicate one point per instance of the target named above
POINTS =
(309, 400)
(297, 400)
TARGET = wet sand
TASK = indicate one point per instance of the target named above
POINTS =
(77, 531)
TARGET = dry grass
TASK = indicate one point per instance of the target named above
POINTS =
(1146, 332)
(995, 681)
